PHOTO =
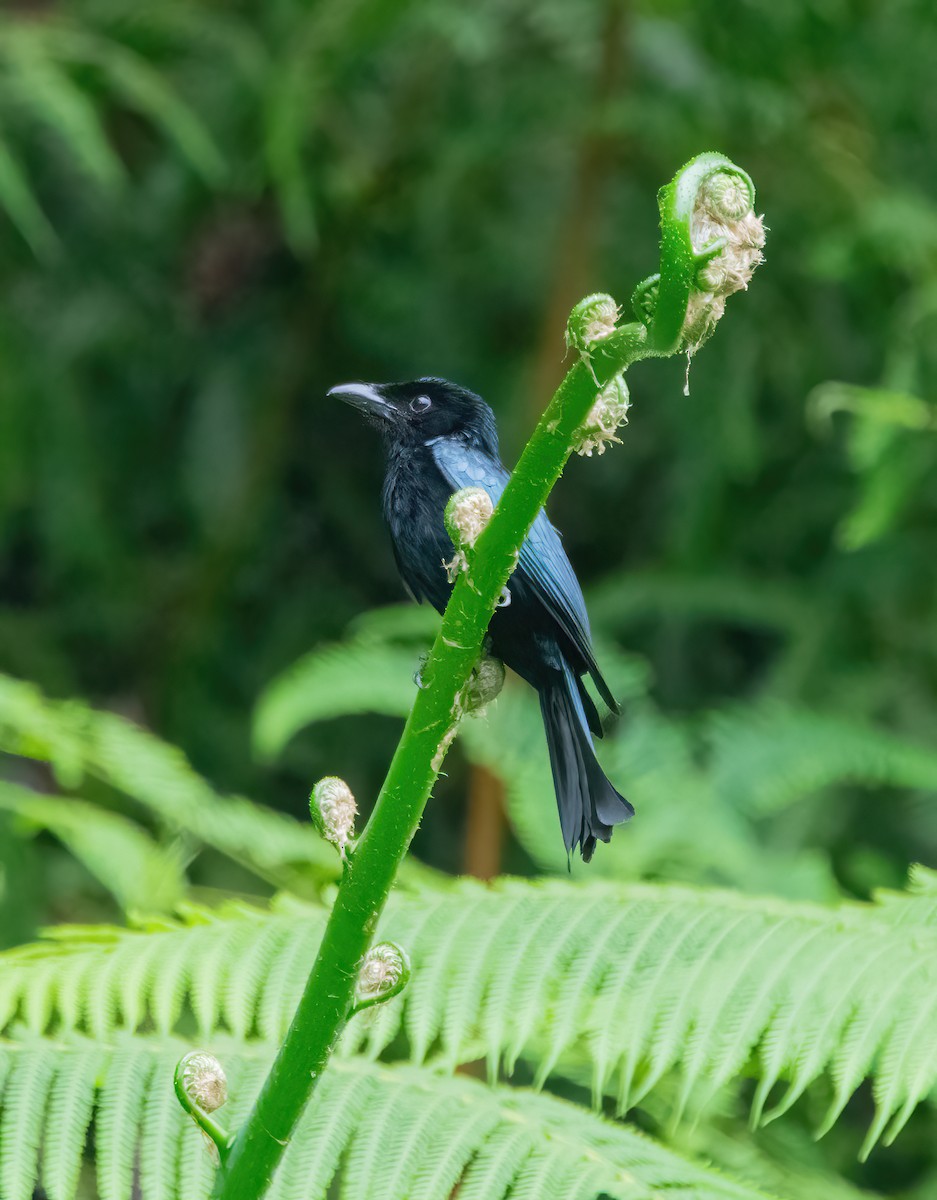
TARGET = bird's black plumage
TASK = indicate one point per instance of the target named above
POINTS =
(439, 438)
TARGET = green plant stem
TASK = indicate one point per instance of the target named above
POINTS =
(326, 1003)
(328, 999)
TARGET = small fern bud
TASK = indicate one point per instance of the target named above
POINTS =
(333, 810)
(384, 971)
(204, 1080)
(484, 684)
(728, 239)
(703, 314)
(467, 513)
(728, 194)
(591, 321)
(201, 1087)
(644, 298)
(605, 417)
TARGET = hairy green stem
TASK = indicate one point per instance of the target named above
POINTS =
(328, 999)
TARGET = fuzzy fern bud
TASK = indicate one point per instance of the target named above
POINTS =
(723, 217)
(466, 515)
(384, 971)
(204, 1080)
(591, 321)
(644, 298)
(333, 810)
(605, 418)
(484, 684)
(711, 243)
(202, 1088)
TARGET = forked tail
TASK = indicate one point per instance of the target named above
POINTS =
(588, 804)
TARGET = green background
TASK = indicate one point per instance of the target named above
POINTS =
(214, 212)
(211, 213)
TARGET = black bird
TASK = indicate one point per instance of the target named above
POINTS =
(438, 438)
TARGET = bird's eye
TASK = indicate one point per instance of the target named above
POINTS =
(420, 404)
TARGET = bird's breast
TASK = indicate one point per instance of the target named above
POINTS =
(415, 498)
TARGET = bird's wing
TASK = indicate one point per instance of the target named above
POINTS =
(542, 560)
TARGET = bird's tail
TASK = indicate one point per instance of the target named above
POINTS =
(589, 805)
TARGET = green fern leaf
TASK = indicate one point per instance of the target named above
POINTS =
(41, 85)
(349, 678)
(341, 1100)
(71, 1105)
(370, 1133)
(639, 982)
(686, 830)
(161, 1145)
(286, 978)
(143, 88)
(25, 1100)
(416, 624)
(119, 1121)
(460, 1131)
(22, 207)
(622, 599)
(79, 741)
(764, 759)
(139, 873)
(918, 905)
(494, 1169)
(702, 840)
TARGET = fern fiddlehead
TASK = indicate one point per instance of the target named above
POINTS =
(678, 309)
(202, 1088)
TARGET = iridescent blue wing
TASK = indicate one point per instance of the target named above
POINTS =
(542, 563)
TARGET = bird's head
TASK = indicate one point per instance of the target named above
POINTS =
(423, 410)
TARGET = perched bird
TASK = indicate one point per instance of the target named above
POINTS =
(439, 438)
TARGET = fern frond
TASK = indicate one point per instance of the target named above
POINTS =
(753, 603)
(21, 206)
(320, 40)
(186, 30)
(370, 1133)
(918, 905)
(37, 57)
(119, 1120)
(27, 1086)
(684, 830)
(416, 624)
(782, 1157)
(41, 85)
(77, 741)
(141, 87)
(371, 671)
(766, 758)
(639, 982)
(70, 1112)
(348, 678)
(140, 874)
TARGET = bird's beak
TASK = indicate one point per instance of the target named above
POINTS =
(366, 397)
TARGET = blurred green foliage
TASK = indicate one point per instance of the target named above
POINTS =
(242, 206)
(211, 213)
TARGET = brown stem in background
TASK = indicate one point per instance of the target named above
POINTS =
(572, 271)
(484, 826)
